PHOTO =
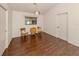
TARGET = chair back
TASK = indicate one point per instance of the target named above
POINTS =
(33, 30)
(39, 29)
(22, 30)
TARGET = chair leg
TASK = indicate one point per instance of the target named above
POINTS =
(33, 36)
(39, 35)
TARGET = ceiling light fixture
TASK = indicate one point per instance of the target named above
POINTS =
(36, 11)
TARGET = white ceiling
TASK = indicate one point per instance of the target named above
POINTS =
(29, 7)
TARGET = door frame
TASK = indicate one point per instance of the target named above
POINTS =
(6, 26)
(67, 25)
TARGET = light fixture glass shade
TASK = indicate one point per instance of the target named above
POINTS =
(37, 12)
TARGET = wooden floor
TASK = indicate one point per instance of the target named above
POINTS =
(40, 45)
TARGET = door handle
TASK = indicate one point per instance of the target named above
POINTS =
(58, 27)
(5, 30)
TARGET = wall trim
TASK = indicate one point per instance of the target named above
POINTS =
(64, 40)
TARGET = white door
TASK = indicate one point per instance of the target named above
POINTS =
(62, 26)
(2, 30)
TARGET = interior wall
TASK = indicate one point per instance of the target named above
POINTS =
(49, 22)
(18, 21)
(5, 42)
(9, 26)
(73, 21)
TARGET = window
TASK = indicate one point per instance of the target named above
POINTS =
(30, 20)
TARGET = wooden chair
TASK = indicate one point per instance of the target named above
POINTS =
(38, 29)
(39, 32)
(23, 32)
(33, 30)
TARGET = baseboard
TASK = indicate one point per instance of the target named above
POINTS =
(50, 34)
(73, 44)
(64, 40)
(7, 46)
(4, 51)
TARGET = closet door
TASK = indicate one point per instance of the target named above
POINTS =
(62, 26)
(2, 30)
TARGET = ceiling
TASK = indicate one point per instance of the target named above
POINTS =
(29, 7)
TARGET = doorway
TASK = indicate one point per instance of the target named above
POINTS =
(2, 29)
(62, 26)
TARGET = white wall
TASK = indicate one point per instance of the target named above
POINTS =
(7, 35)
(73, 21)
(49, 22)
(8, 24)
(9, 27)
(18, 21)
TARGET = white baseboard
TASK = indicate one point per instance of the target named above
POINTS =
(8, 43)
(75, 44)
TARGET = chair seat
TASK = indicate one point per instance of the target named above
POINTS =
(23, 32)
